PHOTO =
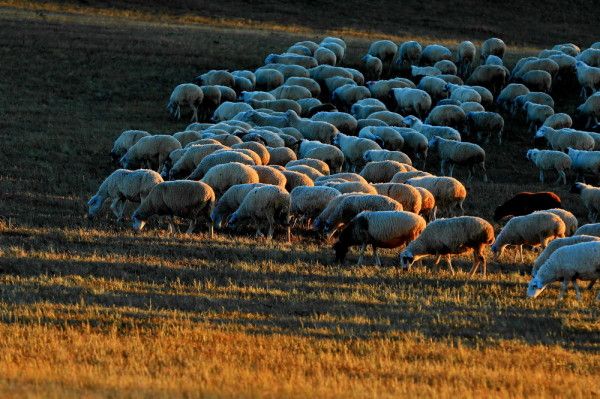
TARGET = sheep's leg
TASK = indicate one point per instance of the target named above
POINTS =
(195, 113)
(437, 260)
(451, 170)
(271, 230)
(289, 233)
(475, 265)
(114, 207)
(561, 176)
(362, 254)
(442, 167)
(121, 210)
(591, 284)
(449, 261)
(577, 290)
(460, 206)
(211, 230)
(377, 260)
(541, 176)
(521, 251)
(171, 226)
(191, 227)
(563, 289)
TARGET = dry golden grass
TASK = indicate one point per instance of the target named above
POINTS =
(93, 310)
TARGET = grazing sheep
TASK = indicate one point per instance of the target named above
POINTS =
(454, 236)
(268, 204)
(383, 229)
(562, 139)
(558, 121)
(409, 54)
(447, 67)
(185, 93)
(121, 186)
(363, 108)
(415, 143)
(449, 193)
(537, 115)
(335, 48)
(221, 177)
(296, 179)
(187, 137)
(408, 196)
(344, 96)
(331, 155)
(567, 217)
(537, 228)
(372, 67)
(242, 84)
(386, 136)
(465, 56)
(492, 77)
(537, 80)
(216, 77)
(524, 203)
(590, 229)
(590, 56)
(550, 160)
(346, 187)
(279, 105)
(383, 171)
(172, 159)
(568, 264)
(249, 75)
(385, 50)
(353, 149)
(149, 151)
(125, 141)
(402, 177)
(381, 89)
(589, 111)
(323, 55)
(418, 73)
(588, 77)
(430, 131)
(291, 59)
(484, 125)
(258, 148)
(386, 155)
(230, 201)
(559, 243)
(389, 117)
(434, 53)
(183, 198)
(493, 46)
(280, 155)
(316, 164)
(463, 93)
(312, 130)
(447, 115)
(323, 72)
(509, 93)
(584, 161)
(428, 205)
(533, 97)
(454, 153)
(411, 101)
(590, 196)
(308, 202)
(268, 79)
(344, 122)
(291, 92)
(191, 158)
(536, 64)
(436, 88)
(307, 170)
(219, 157)
(269, 175)
(347, 176)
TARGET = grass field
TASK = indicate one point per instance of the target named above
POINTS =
(93, 310)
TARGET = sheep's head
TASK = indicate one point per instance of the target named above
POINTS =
(433, 142)
(407, 259)
(497, 250)
(576, 188)
(94, 206)
(531, 154)
(138, 224)
(541, 133)
(535, 288)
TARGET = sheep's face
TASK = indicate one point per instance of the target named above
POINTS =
(497, 250)
(535, 288)
(138, 224)
(94, 206)
(576, 188)
(406, 259)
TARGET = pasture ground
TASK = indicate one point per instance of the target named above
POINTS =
(91, 309)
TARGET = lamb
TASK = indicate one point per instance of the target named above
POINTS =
(308, 202)
(465, 56)
(372, 67)
(291, 59)
(411, 101)
(584, 161)
(588, 77)
(388, 137)
(230, 201)
(296, 179)
(219, 157)
(492, 77)
(383, 229)
(525, 202)
(454, 153)
(190, 160)
(383, 171)
(121, 186)
(343, 97)
(590, 196)
(183, 198)
(535, 229)
(268, 79)
(562, 139)
(550, 160)
(352, 205)
(386, 155)
(449, 193)
(291, 92)
(125, 141)
(353, 148)
(344, 122)
(509, 93)
(484, 125)
(589, 111)
(316, 164)
(149, 151)
(221, 177)
(385, 50)
(493, 46)
(556, 244)
(307, 170)
(558, 121)
(268, 204)
(434, 53)
(312, 130)
(537, 114)
(408, 196)
(567, 264)
(590, 229)
(454, 236)
(185, 93)
(216, 77)
(280, 155)
(447, 115)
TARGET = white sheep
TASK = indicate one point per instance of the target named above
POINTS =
(493, 46)
(546, 160)
(408, 196)
(436, 88)
(402, 177)
(534, 229)
(268, 78)
(216, 77)
(453, 236)
(471, 106)
(590, 196)
(316, 164)
(492, 77)
(415, 142)
(308, 83)
(509, 93)
(125, 141)
(219, 157)
(537, 80)
(590, 229)
(337, 49)
(389, 117)
(556, 244)
(258, 148)
(568, 264)
(345, 187)
(344, 96)
(296, 179)
(221, 177)
(230, 201)
(312, 130)
(465, 56)
(559, 121)
(588, 77)
(430, 131)
(268, 204)
(454, 153)
(484, 125)
(354, 148)
(584, 161)
(411, 101)
(567, 217)
(418, 73)
(149, 151)
(385, 50)
(190, 160)
(307, 170)
(344, 122)
(434, 53)
(463, 93)
(291, 59)
(326, 56)
(447, 67)
(187, 136)
(533, 97)
(386, 155)
(381, 229)
(449, 193)
(381, 89)
(562, 139)
(589, 110)
(386, 136)
(383, 171)
(537, 114)
(183, 198)
(185, 93)
(121, 186)
(409, 54)
(308, 202)
(249, 75)
(372, 67)
(330, 154)
(447, 115)
(291, 92)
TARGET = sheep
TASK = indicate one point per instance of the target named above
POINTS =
(257, 118)
(335, 82)
(121, 186)
(308, 83)
(323, 55)
(268, 79)
(463, 93)
(221, 177)
(389, 117)
(281, 155)
(567, 217)
(402, 177)
(584, 161)
(172, 159)
(537, 115)
(331, 155)
(352, 205)
(568, 264)
(465, 56)
(291, 92)
(447, 115)
(558, 121)
(556, 244)
(249, 75)
(492, 77)
(485, 124)
(268, 137)
(383, 171)
(216, 77)
(408, 196)
(151, 151)
(430, 131)
(291, 59)
(536, 64)
(346, 187)
(408, 54)
(386, 136)
(316, 164)
(434, 53)
(311, 106)
(183, 198)
(411, 101)
(533, 97)
(347, 176)
(590, 196)
(589, 111)
(454, 236)
(258, 148)
(493, 60)
(362, 123)
(450, 79)
(269, 175)
(323, 72)
(414, 142)
(219, 157)
(436, 88)
(190, 160)
(296, 179)
(493, 46)
(125, 141)
(335, 48)
(525, 202)
(562, 139)
(588, 77)
(185, 93)
(187, 136)
(344, 122)
(363, 108)
(509, 93)
(550, 160)
(357, 76)
(487, 98)
(353, 149)
(590, 229)
(372, 67)
(279, 105)
(228, 110)
(537, 228)
(230, 201)
(225, 139)
(569, 48)
(471, 106)
(381, 89)
(312, 130)
(382, 229)
(385, 50)
(590, 56)
(447, 67)
(537, 80)
(449, 193)
(386, 155)
(312, 46)
(307, 170)
(418, 73)
(299, 49)
(454, 153)
(270, 204)
(308, 202)
(567, 68)
(344, 96)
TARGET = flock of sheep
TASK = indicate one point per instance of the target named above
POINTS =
(303, 141)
